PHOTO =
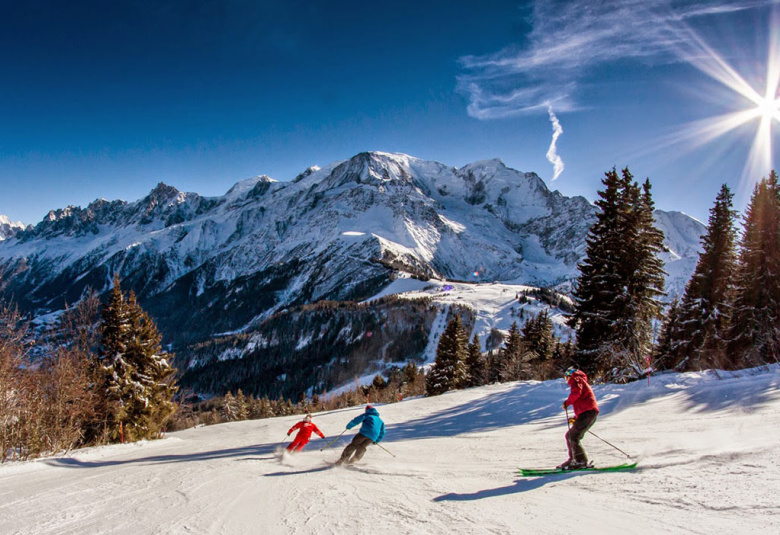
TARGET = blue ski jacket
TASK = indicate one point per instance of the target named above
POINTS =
(373, 427)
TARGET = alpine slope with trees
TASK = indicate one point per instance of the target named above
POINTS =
(216, 271)
(98, 376)
(729, 315)
(125, 384)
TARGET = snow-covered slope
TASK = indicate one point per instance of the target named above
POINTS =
(707, 464)
(338, 232)
(8, 228)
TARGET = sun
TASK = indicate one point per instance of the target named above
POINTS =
(760, 108)
(768, 109)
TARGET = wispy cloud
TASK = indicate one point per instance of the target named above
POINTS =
(570, 38)
(552, 152)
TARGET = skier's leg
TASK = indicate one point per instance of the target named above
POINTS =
(360, 449)
(581, 425)
(301, 445)
(349, 450)
(294, 446)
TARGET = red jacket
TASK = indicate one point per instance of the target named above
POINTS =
(306, 429)
(581, 397)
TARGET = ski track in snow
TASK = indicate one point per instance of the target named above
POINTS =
(707, 444)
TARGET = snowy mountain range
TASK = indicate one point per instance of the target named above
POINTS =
(209, 265)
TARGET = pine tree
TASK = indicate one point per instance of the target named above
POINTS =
(666, 349)
(475, 363)
(242, 407)
(695, 339)
(538, 337)
(621, 280)
(229, 410)
(137, 375)
(540, 344)
(755, 326)
(514, 366)
(449, 368)
(596, 286)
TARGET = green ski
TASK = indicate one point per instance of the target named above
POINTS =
(550, 471)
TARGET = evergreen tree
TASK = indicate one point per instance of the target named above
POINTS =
(621, 279)
(596, 286)
(538, 337)
(666, 349)
(449, 368)
(242, 407)
(695, 339)
(755, 326)
(514, 366)
(540, 345)
(475, 363)
(229, 409)
(137, 376)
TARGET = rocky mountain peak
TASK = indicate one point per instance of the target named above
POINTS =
(8, 228)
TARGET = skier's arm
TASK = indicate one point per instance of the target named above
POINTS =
(381, 433)
(576, 392)
(356, 420)
(293, 428)
(317, 430)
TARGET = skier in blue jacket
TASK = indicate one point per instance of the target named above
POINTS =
(372, 431)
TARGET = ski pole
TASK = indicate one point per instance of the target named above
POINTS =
(567, 416)
(601, 439)
(332, 441)
(384, 448)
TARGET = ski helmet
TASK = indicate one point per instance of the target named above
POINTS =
(308, 418)
(369, 407)
(570, 371)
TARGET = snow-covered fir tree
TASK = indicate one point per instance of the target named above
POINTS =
(694, 336)
(538, 337)
(514, 364)
(137, 374)
(540, 345)
(621, 279)
(449, 369)
(664, 357)
(755, 325)
(475, 363)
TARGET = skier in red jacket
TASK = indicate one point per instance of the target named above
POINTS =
(306, 428)
(586, 410)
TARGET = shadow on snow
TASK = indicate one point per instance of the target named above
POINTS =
(540, 403)
(260, 449)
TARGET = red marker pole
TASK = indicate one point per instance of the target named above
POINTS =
(648, 369)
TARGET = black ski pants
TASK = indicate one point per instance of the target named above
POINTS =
(574, 435)
(358, 447)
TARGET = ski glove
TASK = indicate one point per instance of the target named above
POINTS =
(572, 420)
(564, 405)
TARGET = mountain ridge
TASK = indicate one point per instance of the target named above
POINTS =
(340, 232)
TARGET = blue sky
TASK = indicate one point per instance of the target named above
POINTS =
(106, 99)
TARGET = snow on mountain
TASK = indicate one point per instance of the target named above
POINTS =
(338, 232)
(707, 464)
(495, 306)
(8, 228)
(682, 236)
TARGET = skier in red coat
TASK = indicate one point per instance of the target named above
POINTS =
(586, 410)
(306, 428)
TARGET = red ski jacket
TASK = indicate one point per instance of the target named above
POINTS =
(306, 429)
(581, 397)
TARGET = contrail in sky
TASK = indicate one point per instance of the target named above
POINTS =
(552, 152)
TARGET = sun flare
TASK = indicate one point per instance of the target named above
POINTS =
(768, 109)
(760, 107)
